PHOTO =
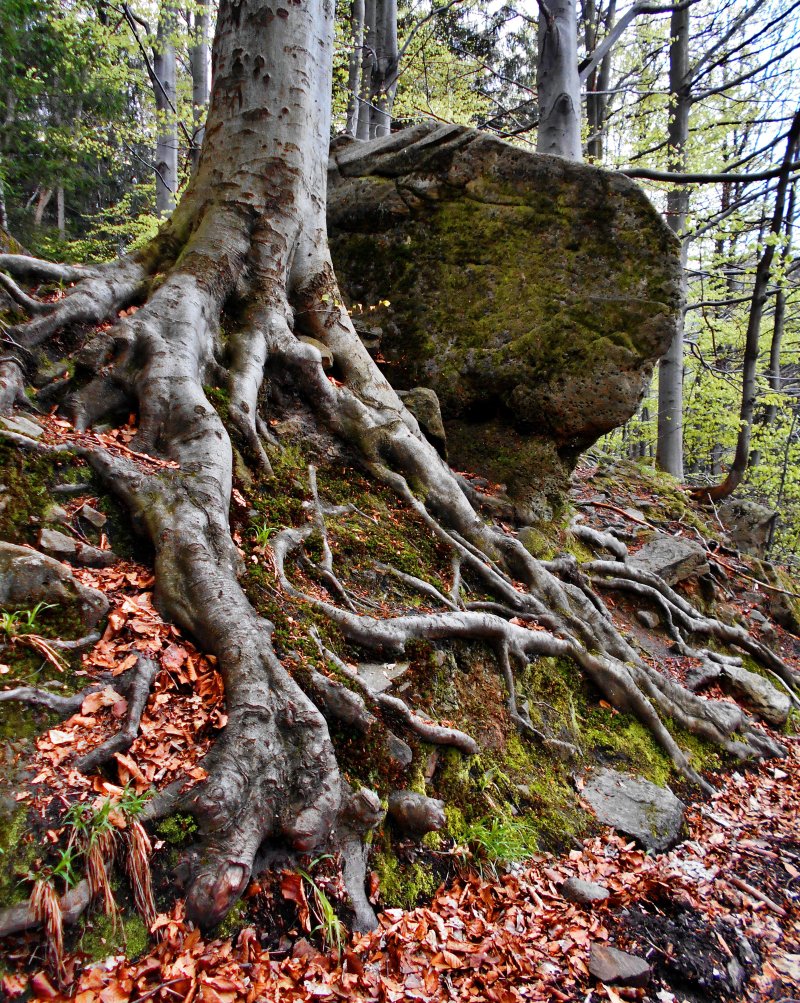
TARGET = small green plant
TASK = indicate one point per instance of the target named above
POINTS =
(23, 621)
(500, 841)
(262, 533)
(330, 927)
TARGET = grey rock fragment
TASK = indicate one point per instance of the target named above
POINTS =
(583, 892)
(647, 618)
(380, 676)
(618, 968)
(748, 524)
(635, 807)
(92, 516)
(23, 426)
(28, 577)
(424, 405)
(671, 558)
(67, 549)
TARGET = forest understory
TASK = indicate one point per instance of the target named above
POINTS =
(480, 676)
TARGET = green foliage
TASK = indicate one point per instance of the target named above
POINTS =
(329, 926)
(23, 621)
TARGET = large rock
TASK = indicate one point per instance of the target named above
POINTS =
(531, 293)
(748, 524)
(28, 577)
(672, 558)
(767, 701)
(635, 807)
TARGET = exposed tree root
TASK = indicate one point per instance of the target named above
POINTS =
(273, 777)
(19, 918)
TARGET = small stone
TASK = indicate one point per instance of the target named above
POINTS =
(28, 577)
(636, 807)
(618, 968)
(647, 618)
(583, 892)
(379, 676)
(65, 548)
(757, 617)
(92, 516)
(672, 558)
(324, 351)
(424, 405)
(23, 426)
(55, 513)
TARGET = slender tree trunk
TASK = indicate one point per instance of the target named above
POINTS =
(557, 81)
(45, 194)
(779, 322)
(383, 83)
(165, 91)
(751, 350)
(60, 219)
(201, 83)
(669, 449)
(354, 66)
(367, 65)
(598, 81)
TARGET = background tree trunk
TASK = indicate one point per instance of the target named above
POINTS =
(201, 89)
(165, 93)
(669, 448)
(557, 81)
(354, 66)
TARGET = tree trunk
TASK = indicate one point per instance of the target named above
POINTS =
(779, 320)
(741, 457)
(357, 15)
(669, 448)
(60, 220)
(45, 194)
(165, 92)
(199, 63)
(248, 243)
(557, 81)
(383, 81)
(597, 83)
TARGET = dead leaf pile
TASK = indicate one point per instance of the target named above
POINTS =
(516, 938)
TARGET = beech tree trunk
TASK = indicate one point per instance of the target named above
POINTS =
(201, 82)
(248, 241)
(741, 458)
(669, 447)
(354, 66)
(165, 92)
(557, 81)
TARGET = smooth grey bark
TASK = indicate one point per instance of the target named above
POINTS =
(165, 93)
(669, 446)
(357, 15)
(597, 81)
(383, 82)
(741, 458)
(45, 194)
(368, 59)
(557, 81)
(201, 80)
(250, 231)
(60, 219)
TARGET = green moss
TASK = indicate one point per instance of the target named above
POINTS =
(233, 922)
(402, 885)
(17, 854)
(177, 830)
(101, 937)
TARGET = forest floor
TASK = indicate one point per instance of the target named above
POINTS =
(717, 917)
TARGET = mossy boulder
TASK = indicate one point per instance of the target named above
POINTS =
(532, 294)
